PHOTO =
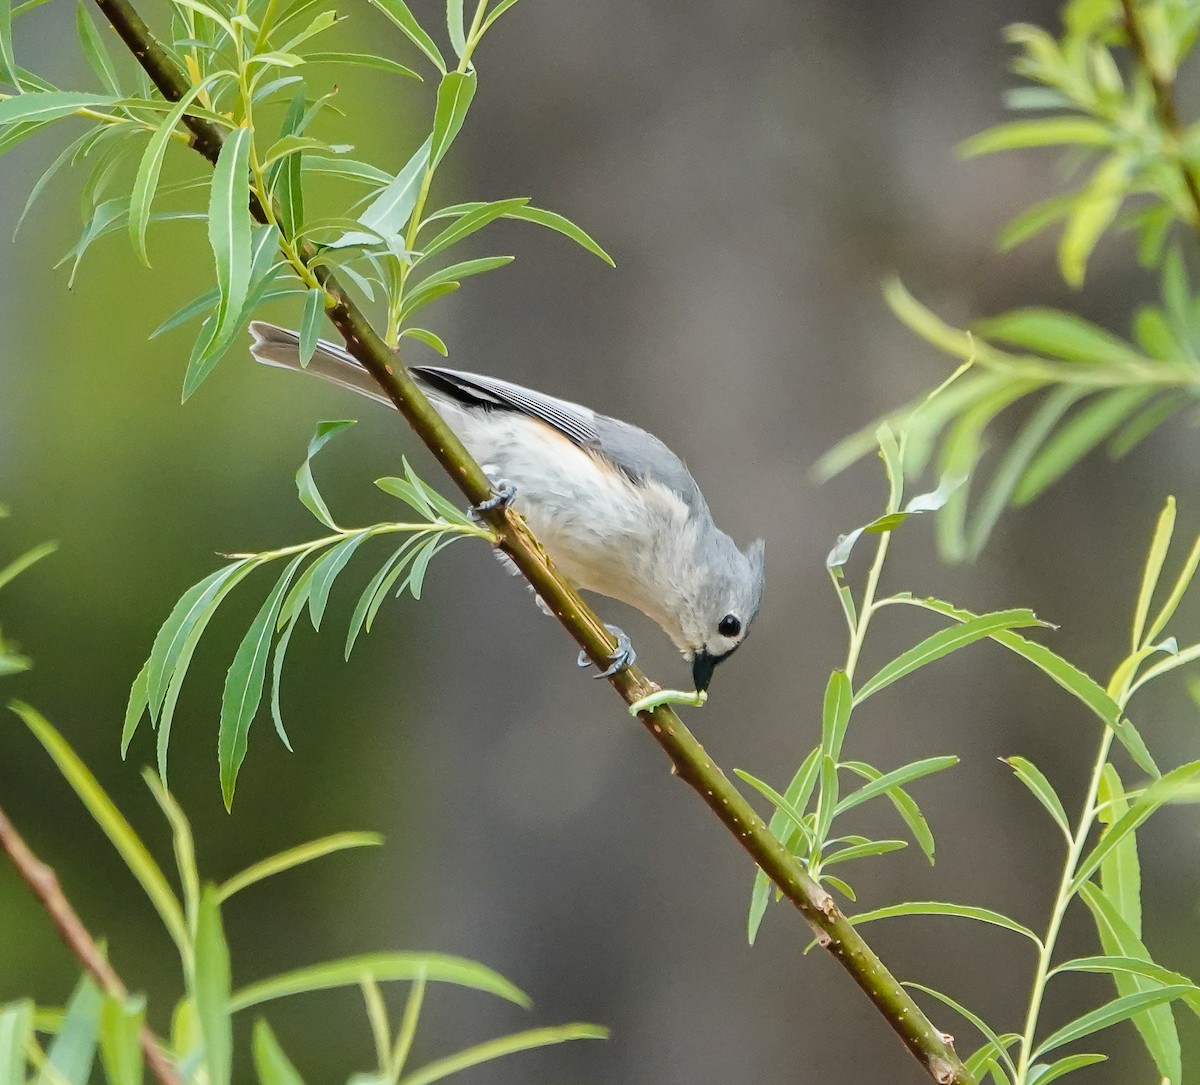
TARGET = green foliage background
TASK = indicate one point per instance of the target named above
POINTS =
(755, 170)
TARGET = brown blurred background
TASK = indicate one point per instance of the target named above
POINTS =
(755, 169)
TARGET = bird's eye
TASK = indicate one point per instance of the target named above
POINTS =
(729, 626)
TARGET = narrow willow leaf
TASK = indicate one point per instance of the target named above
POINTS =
(1052, 131)
(1176, 784)
(146, 182)
(428, 338)
(1113, 1013)
(1094, 212)
(310, 324)
(458, 271)
(1177, 592)
(1033, 778)
(306, 486)
(944, 642)
(835, 716)
(361, 60)
(388, 213)
(1120, 872)
(1034, 220)
(72, 1052)
(389, 581)
(1062, 1067)
(453, 100)
(962, 911)
(270, 1063)
(496, 12)
(398, 12)
(30, 557)
(827, 799)
(1156, 1025)
(419, 299)
(95, 51)
(294, 857)
(244, 684)
(347, 168)
(906, 806)
(1084, 430)
(349, 971)
(896, 778)
(475, 219)
(8, 74)
(42, 107)
(454, 26)
(551, 219)
(504, 1045)
(121, 1021)
(359, 616)
(984, 1029)
(211, 989)
(182, 842)
(781, 804)
(862, 851)
(119, 832)
(1057, 334)
(139, 701)
(280, 654)
(326, 572)
(16, 1030)
(229, 224)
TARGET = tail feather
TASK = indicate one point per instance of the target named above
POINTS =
(281, 348)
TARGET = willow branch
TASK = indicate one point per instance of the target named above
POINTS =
(43, 882)
(692, 764)
(1164, 98)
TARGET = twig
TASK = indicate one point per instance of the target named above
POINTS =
(1164, 98)
(693, 765)
(42, 880)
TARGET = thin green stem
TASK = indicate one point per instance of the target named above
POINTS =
(408, 1029)
(378, 1018)
(869, 605)
(473, 37)
(425, 528)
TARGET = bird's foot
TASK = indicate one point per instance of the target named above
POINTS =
(622, 658)
(503, 495)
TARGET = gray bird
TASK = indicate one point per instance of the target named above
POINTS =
(617, 511)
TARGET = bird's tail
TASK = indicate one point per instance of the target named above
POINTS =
(279, 347)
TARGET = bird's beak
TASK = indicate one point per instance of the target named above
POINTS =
(703, 666)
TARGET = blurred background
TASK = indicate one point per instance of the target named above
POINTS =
(755, 169)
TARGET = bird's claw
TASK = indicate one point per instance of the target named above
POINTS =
(622, 658)
(503, 494)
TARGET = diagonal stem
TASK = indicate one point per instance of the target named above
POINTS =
(43, 882)
(691, 762)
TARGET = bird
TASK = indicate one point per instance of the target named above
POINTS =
(616, 510)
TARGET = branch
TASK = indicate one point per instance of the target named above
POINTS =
(1164, 98)
(42, 880)
(693, 765)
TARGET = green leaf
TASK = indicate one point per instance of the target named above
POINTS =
(551, 219)
(1094, 212)
(496, 12)
(349, 971)
(504, 1045)
(454, 25)
(1032, 777)
(121, 1021)
(119, 832)
(72, 1052)
(862, 851)
(182, 842)
(244, 684)
(306, 486)
(314, 310)
(229, 225)
(1034, 220)
(326, 572)
(388, 213)
(1120, 873)
(1062, 1067)
(45, 106)
(1113, 1013)
(469, 223)
(1086, 428)
(271, 1064)
(962, 911)
(428, 338)
(796, 817)
(944, 642)
(896, 778)
(16, 1030)
(398, 12)
(1056, 334)
(419, 299)
(294, 857)
(370, 593)
(453, 99)
(1051, 131)
(212, 989)
(146, 182)
(905, 805)
(362, 60)
(835, 716)
(30, 557)
(95, 51)
(841, 886)
(985, 1030)
(8, 74)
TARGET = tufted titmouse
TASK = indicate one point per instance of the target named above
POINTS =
(617, 511)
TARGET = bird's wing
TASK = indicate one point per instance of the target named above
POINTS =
(574, 422)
